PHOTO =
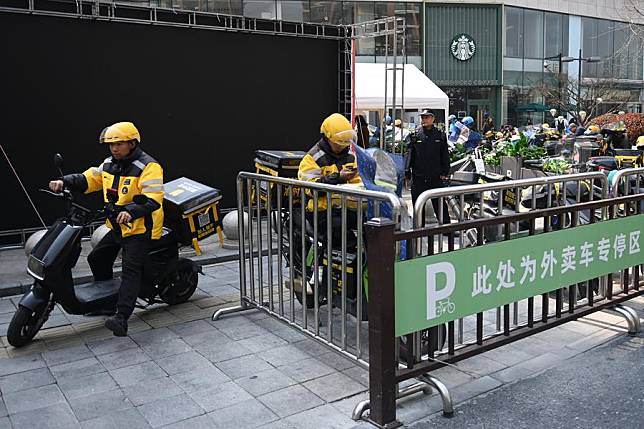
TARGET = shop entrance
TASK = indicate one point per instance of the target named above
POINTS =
(472, 101)
(476, 108)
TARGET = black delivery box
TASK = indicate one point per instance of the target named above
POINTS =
(187, 201)
(282, 163)
(584, 148)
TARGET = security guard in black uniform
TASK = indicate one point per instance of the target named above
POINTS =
(427, 161)
(128, 172)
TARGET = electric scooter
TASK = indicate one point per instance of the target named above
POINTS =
(166, 277)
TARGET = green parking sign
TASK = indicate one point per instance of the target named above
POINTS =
(436, 289)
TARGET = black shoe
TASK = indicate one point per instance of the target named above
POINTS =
(117, 324)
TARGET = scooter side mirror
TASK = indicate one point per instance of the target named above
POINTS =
(58, 162)
(140, 199)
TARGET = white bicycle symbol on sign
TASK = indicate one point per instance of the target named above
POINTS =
(444, 307)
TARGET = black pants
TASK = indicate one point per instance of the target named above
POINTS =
(420, 185)
(101, 261)
(336, 226)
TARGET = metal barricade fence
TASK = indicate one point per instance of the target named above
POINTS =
(627, 181)
(304, 262)
(509, 195)
(436, 290)
(504, 198)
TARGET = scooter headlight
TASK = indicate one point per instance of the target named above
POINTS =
(36, 268)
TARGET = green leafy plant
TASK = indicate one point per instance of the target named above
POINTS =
(520, 146)
(533, 152)
(459, 152)
(492, 158)
(557, 166)
(517, 149)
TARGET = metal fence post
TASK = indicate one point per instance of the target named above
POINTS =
(382, 364)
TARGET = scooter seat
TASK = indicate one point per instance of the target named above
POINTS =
(167, 239)
(95, 291)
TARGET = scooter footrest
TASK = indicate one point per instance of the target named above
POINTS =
(95, 291)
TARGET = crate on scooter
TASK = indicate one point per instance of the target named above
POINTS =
(191, 209)
(277, 163)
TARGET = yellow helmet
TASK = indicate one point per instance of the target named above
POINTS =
(337, 129)
(640, 141)
(593, 129)
(120, 132)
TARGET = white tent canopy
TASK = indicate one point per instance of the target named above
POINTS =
(419, 91)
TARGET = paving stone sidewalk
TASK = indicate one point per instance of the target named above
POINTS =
(179, 369)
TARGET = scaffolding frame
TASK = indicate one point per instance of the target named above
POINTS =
(393, 29)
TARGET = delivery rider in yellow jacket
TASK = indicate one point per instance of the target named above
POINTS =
(127, 172)
(329, 161)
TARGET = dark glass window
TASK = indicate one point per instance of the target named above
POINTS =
(589, 45)
(228, 7)
(556, 34)
(293, 10)
(414, 20)
(605, 31)
(513, 32)
(264, 9)
(620, 49)
(187, 4)
(326, 11)
(354, 12)
(385, 10)
(635, 58)
(533, 33)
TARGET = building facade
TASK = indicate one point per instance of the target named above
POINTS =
(509, 47)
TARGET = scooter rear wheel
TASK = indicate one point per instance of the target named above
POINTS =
(181, 284)
(25, 324)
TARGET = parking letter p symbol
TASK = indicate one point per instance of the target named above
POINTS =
(434, 294)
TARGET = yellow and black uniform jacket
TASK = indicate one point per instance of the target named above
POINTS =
(138, 173)
(322, 165)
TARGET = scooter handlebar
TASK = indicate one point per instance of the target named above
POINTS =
(65, 193)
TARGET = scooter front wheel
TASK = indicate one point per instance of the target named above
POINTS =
(25, 324)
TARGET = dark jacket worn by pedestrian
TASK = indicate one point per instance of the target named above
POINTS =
(428, 155)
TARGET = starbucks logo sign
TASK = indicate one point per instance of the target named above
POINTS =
(463, 47)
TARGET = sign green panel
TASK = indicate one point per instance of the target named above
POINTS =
(436, 289)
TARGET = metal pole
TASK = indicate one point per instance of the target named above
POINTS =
(382, 365)
(579, 85)
(394, 113)
(561, 104)
(383, 126)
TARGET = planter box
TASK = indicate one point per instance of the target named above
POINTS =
(511, 167)
(492, 168)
